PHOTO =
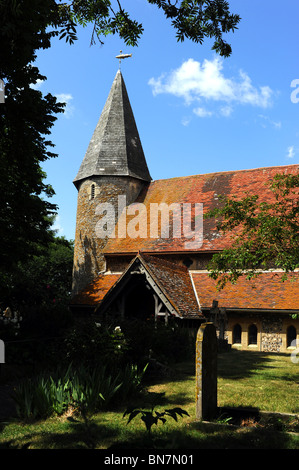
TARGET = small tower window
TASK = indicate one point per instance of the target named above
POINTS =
(187, 262)
(92, 191)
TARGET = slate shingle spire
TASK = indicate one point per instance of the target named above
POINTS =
(115, 148)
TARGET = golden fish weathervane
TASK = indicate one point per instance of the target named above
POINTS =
(122, 56)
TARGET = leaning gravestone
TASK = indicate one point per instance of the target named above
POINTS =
(206, 372)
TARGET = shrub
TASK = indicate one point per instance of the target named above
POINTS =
(89, 343)
(86, 389)
(166, 343)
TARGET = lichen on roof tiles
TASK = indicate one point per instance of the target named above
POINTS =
(204, 189)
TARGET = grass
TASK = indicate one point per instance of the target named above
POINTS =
(268, 382)
(252, 379)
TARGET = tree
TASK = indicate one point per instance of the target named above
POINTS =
(191, 19)
(26, 118)
(40, 287)
(46, 278)
(264, 234)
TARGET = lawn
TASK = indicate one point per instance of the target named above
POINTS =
(263, 382)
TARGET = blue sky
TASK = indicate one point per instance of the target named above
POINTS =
(196, 112)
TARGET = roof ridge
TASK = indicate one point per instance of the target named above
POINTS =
(228, 171)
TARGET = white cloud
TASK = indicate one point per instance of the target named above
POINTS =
(195, 82)
(37, 85)
(226, 110)
(266, 119)
(202, 112)
(69, 108)
(186, 121)
(291, 152)
(57, 226)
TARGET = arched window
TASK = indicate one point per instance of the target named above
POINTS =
(291, 335)
(92, 191)
(252, 334)
(237, 332)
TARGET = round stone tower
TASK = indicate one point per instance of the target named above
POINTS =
(114, 165)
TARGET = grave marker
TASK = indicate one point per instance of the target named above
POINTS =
(206, 372)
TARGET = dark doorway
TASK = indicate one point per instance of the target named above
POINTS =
(291, 336)
(237, 332)
(139, 302)
(252, 334)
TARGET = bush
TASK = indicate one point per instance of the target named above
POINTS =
(165, 343)
(89, 343)
(86, 390)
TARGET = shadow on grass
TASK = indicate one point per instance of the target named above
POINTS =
(200, 436)
(79, 435)
(232, 365)
(236, 364)
(196, 435)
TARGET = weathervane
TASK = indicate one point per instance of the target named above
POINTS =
(122, 56)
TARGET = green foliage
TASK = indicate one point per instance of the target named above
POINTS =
(39, 289)
(165, 343)
(264, 234)
(40, 397)
(26, 118)
(195, 20)
(89, 343)
(86, 390)
(46, 278)
(132, 380)
(132, 341)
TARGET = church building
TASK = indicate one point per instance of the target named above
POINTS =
(142, 246)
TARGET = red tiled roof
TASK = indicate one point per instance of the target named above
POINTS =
(266, 291)
(176, 283)
(204, 189)
(94, 292)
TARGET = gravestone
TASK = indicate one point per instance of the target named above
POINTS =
(2, 91)
(2, 353)
(206, 372)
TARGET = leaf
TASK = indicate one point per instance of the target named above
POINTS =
(149, 420)
(133, 414)
(176, 411)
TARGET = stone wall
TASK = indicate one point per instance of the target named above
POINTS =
(88, 258)
(271, 330)
(271, 333)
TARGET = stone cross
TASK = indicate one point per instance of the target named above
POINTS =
(206, 372)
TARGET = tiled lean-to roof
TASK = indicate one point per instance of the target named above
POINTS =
(94, 292)
(266, 291)
(172, 283)
(191, 293)
(205, 189)
(176, 283)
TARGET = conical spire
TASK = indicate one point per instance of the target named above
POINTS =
(115, 148)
